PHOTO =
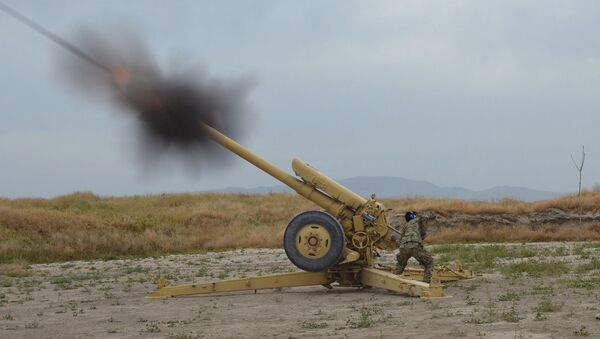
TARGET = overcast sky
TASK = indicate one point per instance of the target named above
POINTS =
(459, 93)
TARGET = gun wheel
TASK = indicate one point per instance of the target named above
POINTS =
(314, 241)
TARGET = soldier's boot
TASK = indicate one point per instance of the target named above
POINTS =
(427, 274)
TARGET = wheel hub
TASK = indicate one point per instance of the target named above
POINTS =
(313, 241)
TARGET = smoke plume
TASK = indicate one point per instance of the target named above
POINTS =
(168, 106)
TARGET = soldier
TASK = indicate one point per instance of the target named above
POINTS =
(410, 245)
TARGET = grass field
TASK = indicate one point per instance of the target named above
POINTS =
(86, 226)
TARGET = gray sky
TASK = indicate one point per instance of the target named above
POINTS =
(458, 93)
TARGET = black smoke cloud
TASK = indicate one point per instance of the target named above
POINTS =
(168, 106)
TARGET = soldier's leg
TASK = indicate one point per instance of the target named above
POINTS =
(426, 260)
(402, 258)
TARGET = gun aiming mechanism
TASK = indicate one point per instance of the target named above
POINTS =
(337, 245)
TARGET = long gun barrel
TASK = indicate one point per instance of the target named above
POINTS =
(363, 220)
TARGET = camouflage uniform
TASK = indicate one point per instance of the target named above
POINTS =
(410, 245)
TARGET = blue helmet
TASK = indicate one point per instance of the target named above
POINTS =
(408, 216)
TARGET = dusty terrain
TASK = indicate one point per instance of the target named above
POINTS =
(524, 290)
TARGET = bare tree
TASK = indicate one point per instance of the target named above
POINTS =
(579, 166)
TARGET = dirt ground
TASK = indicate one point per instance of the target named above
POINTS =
(107, 299)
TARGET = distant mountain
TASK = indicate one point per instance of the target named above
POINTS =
(388, 187)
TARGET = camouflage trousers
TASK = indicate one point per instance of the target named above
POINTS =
(419, 253)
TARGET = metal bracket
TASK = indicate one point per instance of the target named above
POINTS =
(255, 283)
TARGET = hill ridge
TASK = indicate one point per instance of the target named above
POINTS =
(391, 187)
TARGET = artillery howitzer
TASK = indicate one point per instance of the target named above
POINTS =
(337, 245)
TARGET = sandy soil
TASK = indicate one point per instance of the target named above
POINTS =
(107, 299)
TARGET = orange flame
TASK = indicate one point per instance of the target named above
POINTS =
(121, 77)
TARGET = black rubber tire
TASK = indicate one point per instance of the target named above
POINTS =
(336, 233)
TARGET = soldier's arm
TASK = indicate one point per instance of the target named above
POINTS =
(422, 228)
(401, 231)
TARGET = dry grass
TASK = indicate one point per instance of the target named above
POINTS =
(516, 233)
(589, 201)
(85, 226)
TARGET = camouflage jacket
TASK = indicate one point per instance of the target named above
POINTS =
(412, 233)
